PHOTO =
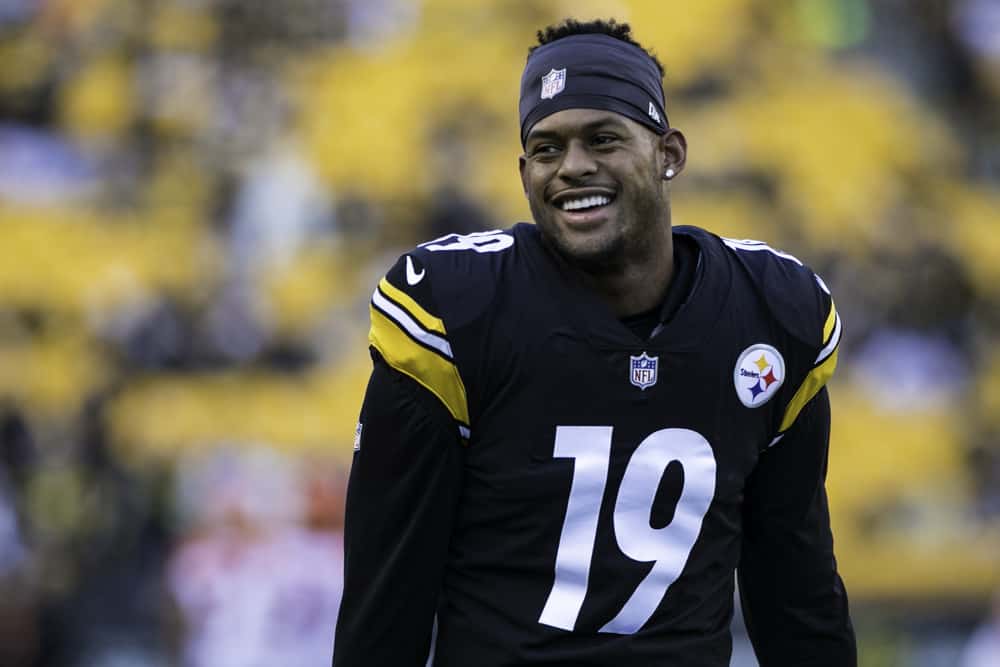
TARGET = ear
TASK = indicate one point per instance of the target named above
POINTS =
(522, 162)
(673, 146)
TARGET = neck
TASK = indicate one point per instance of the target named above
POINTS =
(640, 284)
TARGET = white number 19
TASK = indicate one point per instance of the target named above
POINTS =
(668, 547)
(481, 242)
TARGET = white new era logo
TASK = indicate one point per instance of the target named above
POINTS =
(553, 83)
(654, 114)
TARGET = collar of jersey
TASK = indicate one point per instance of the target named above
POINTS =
(690, 325)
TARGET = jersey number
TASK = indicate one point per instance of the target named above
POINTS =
(668, 547)
(492, 241)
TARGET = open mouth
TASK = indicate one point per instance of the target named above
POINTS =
(579, 205)
(585, 203)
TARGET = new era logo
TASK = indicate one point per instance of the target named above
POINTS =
(653, 113)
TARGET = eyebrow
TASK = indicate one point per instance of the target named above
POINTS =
(610, 123)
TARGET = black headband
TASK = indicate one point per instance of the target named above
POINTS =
(591, 71)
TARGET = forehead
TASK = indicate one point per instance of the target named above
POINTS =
(572, 121)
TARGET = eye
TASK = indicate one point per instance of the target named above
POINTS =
(544, 150)
(604, 139)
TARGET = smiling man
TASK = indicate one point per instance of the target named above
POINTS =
(577, 431)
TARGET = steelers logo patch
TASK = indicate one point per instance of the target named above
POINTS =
(759, 373)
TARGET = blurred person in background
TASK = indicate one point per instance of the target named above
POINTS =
(256, 579)
(452, 210)
(576, 431)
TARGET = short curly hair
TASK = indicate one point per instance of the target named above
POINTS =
(610, 27)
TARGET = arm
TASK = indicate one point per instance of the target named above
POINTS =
(793, 599)
(401, 501)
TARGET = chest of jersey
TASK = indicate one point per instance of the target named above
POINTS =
(608, 463)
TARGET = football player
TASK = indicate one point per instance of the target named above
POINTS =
(577, 431)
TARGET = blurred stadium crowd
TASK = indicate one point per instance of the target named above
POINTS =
(197, 196)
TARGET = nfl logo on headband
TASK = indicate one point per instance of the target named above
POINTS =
(553, 83)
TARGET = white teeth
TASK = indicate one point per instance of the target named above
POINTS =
(585, 202)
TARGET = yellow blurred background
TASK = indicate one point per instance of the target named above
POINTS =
(197, 196)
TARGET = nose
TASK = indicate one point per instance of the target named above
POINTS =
(577, 162)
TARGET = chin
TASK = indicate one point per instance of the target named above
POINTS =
(590, 247)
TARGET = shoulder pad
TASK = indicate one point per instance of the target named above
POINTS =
(424, 298)
(801, 303)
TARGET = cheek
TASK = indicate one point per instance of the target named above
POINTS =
(536, 203)
(535, 181)
(643, 193)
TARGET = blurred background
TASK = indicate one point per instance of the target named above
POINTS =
(197, 197)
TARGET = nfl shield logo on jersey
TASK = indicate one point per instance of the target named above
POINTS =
(553, 83)
(643, 370)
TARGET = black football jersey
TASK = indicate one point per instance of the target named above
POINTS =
(598, 502)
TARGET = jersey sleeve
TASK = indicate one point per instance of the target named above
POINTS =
(401, 501)
(794, 601)
(409, 332)
(801, 304)
(824, 340)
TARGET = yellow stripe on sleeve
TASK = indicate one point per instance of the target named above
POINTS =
(817, 377)
(831, 321)
(428, 321)
(428, 368)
